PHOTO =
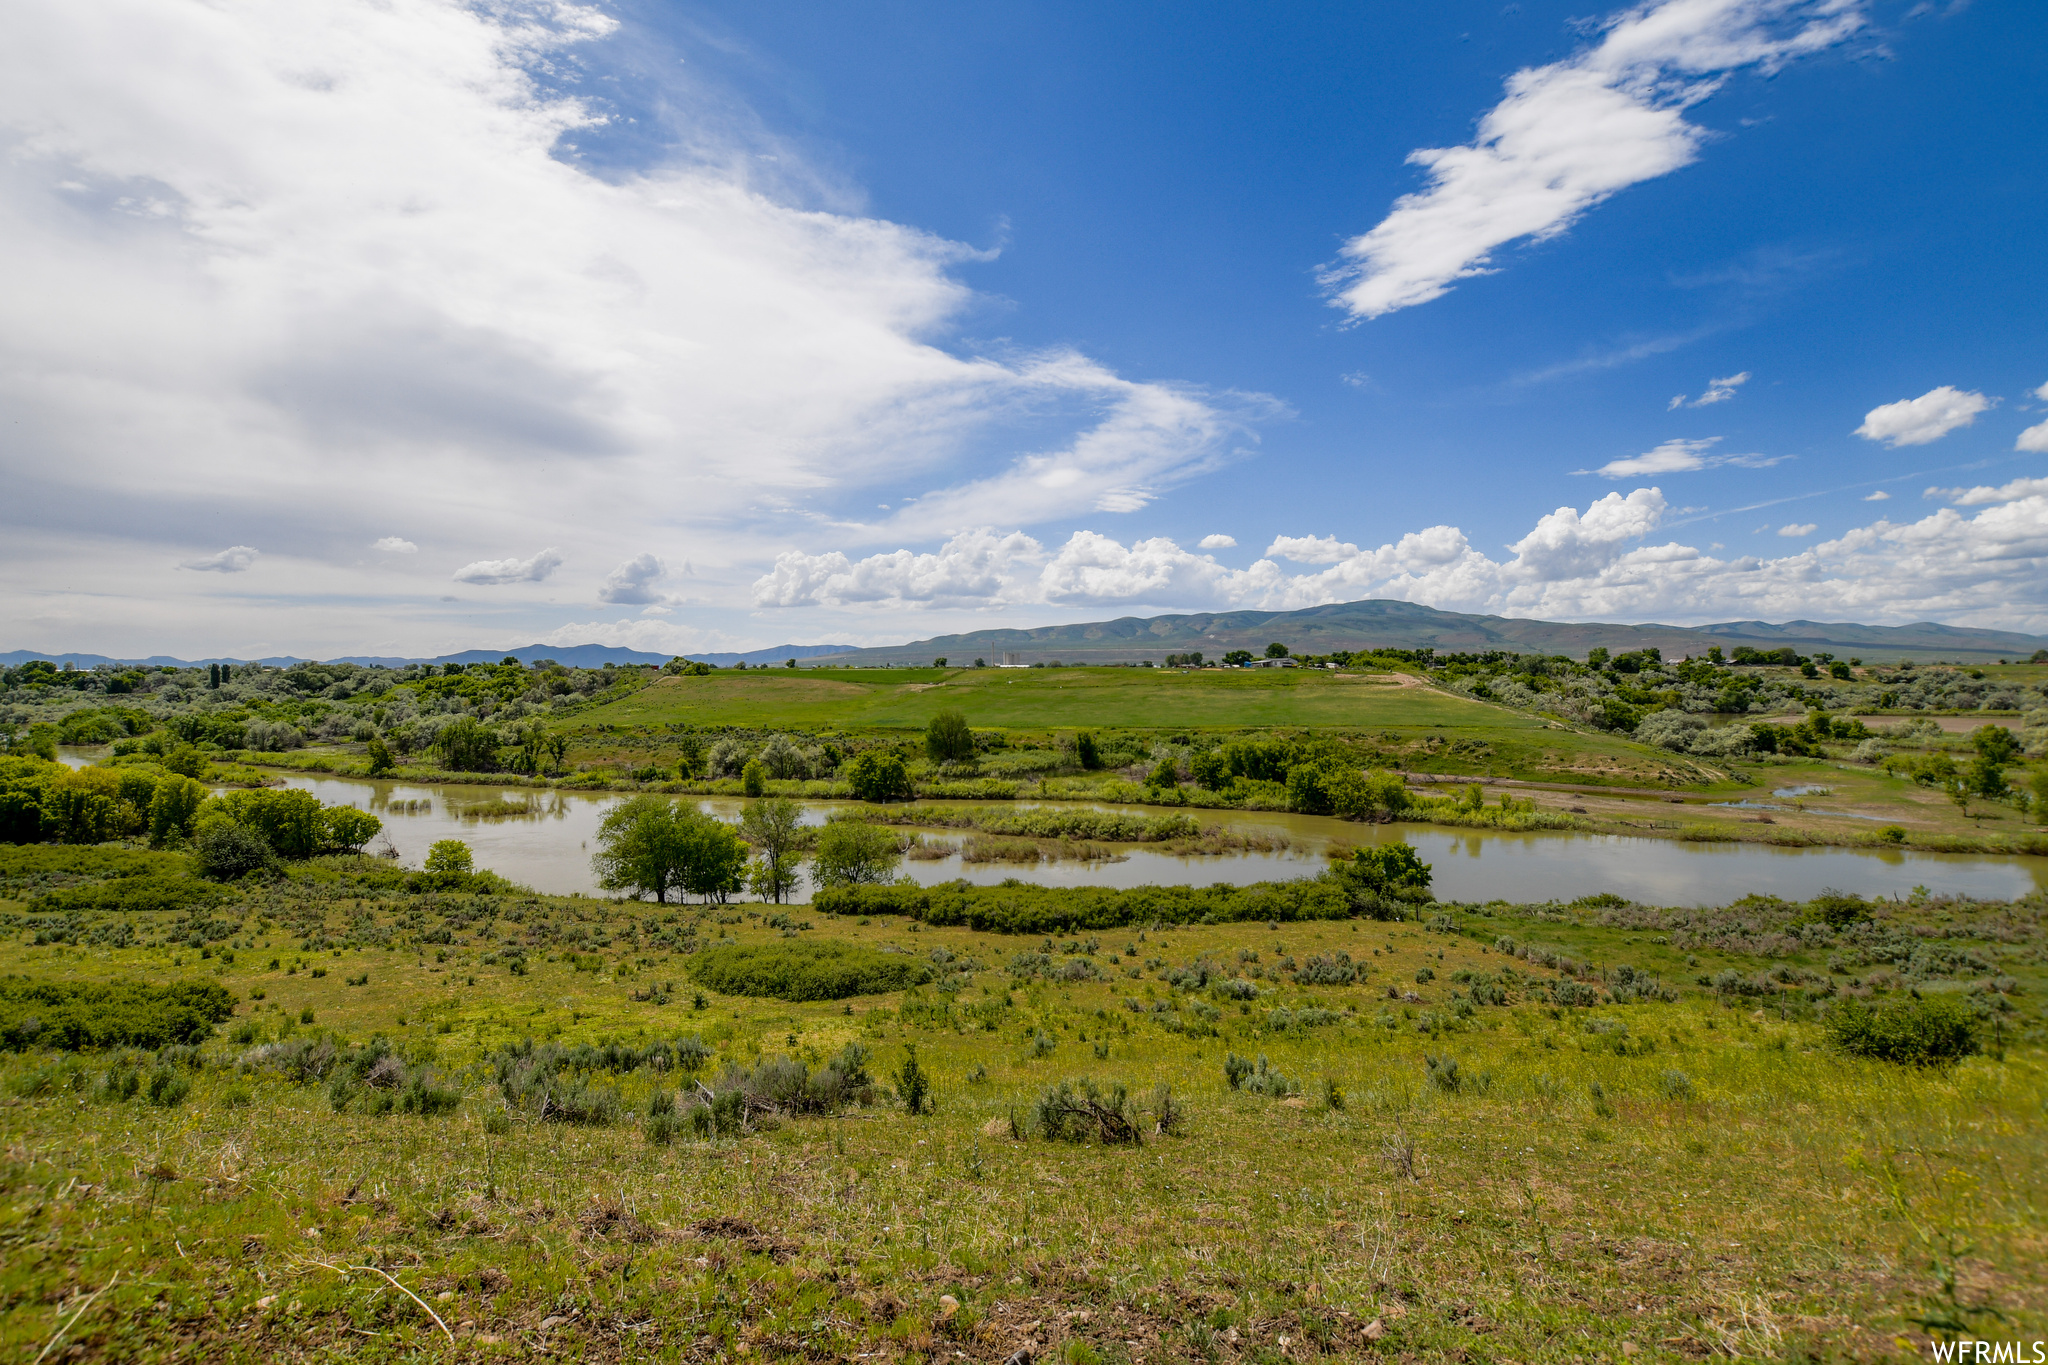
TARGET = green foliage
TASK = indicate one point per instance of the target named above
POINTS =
(754, 778)
(1932, 1030)
(381, 761)
(288, 820)
(1086, 752)
(1839, 909)
(773, 828)
(344, 829)
(653, 846)
(854, 853)
(449, 857)
(468, 745)
(876, 776)
(1018, 908)
(1395, 870)
(1996, 744)
(77, 1016)
(806, 969)
(913, 1085)
(947, 738)
(138, 894)
(1164, 774)
(225, 850)
(173, 809)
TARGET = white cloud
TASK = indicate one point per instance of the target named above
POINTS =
(1984, 495)
(234, 559)
(1569, 135)
(395, 545)
(2042, 393)
(1673, 457)
(1798, 528)
(1718, 391)
(1681, 457)
(1917, 421)
(502, 571)
(1218, 542)
(1595, 564)
(1311, 549)
(1879, 496)
(2034, 438)
(632, 583)
(323, 250)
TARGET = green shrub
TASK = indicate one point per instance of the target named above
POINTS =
(878, 777)
(151, 893)
(1017, 908)
(1932, 1030)
(75, 1016)
(226, 850)
(806, 970)
(167, 1087)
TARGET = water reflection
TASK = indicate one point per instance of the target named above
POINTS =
(549, 849)
(543, 840)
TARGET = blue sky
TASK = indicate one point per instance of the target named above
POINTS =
(693, 326)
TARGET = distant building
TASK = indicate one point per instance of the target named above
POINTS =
(1012, 659)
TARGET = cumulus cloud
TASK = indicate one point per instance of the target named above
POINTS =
(1984, 495)
(321, 250)
(1879, 496)
(1602, 562)
(2034, 438)
(234, 559)
(632, 583)
(1311, 549)
(1718, 391)
(1681, 457)
(1798, 528)
(1571, 134)
(1918, 421)
(502, 571)
(1217, 542)
(395, 545)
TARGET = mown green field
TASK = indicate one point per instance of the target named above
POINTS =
(1040, 698)
(1680, 1179)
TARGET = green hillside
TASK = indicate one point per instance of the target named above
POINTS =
(1407, 625)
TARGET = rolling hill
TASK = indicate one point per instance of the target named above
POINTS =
(1406, 625)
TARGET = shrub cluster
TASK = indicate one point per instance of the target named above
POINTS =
(1017, 908)
(150, 893)
(1932, 1030)
(76, 1016)
(806, 969)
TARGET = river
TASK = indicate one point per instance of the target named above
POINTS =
(546, 845)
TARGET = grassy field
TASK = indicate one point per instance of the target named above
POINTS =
(1417, 725)
(1040, 698)
(1699, 1176)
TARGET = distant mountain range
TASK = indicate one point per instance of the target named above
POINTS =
(574, 656)
(1313, 630)
(1405, 625)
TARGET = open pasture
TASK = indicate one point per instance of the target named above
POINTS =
(1467, 1136)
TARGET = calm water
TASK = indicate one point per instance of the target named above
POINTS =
(547, 847)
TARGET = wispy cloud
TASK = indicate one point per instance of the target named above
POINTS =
(1570, 135)
(1682, 457)
(234, 559)
(1984, 495)
(1718, 391)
